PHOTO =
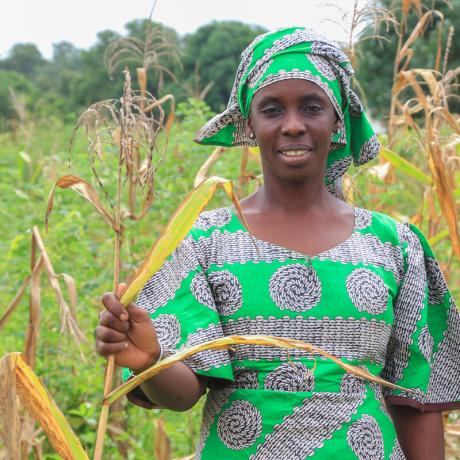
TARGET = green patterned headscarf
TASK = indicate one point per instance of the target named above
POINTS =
(297, 53)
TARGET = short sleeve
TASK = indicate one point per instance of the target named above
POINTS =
(183, 311)
(424, 348)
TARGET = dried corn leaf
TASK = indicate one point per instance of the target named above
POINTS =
(72, 291)
(177, 228)
(35, 398)
(67, 320)
(406, 167)
(226, 343)
(142, 79)
(406, 6)
(445, 196)
(86, 191)
(14, 303)
(429, 76)
(162, 442)
(30, 347)
(10, 428)
(203, 172)
(417, 32)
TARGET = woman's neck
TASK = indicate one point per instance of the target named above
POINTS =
(293, 197)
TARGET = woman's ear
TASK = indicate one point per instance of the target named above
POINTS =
(337, 124)
(249, 129)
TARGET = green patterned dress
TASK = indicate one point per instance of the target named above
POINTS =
(377, 300)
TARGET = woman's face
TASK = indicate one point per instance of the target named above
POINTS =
(293, 121)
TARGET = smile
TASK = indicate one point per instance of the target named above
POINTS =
(294, 153)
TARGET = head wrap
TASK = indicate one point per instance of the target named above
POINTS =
(297, 53)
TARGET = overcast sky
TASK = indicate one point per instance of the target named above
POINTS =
(45, 22)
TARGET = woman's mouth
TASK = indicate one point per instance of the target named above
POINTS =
(294, 153)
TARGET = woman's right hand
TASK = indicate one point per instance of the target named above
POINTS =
(127, 333)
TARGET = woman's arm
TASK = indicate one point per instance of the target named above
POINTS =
(420, 434)
(129, 335)
(177, 388)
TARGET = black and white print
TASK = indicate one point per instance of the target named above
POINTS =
(437, 286)
(168, 330)
(356, 108)
(304, 75)
(360, 339)
(363, 218)
(227, 292)
(365, 439)
(369, 151)
(239, 426)
(290, 376)
(444, 385)
(312, 431)
(378, 394)
(337, 169)
(367, 291)
(245, 378)
(295, 287)
(425, 343)
(200, 289)
(221, 248)
(215, 401)
(162, 286)
(215, 218)
(205, 360)
(257, 74)
(322, 66)
(367, 249)
(408, 306)
(397, 453)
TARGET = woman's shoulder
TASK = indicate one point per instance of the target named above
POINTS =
(388, 228)
(213, 219)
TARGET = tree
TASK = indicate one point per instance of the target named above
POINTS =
(10, 80)
(376, 58)
(215, 50)
(24, 58)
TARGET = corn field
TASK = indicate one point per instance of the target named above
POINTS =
(144, 183)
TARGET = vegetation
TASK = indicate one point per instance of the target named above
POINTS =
(415, 179)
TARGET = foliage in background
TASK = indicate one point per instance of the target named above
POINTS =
(376, 57)
(33, 154)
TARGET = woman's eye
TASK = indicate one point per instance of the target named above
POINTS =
(270, 110)
(313, 108)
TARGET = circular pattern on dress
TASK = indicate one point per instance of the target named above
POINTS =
(367, 291)
(201, 291)
(226, 290)
(365, 439)
(437, 286)
(168, 330)
(240, 425)
(245, 378)
(292, 376)
(295, 287)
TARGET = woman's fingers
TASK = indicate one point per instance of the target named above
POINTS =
(109, 320)
(106, 334)
(106, 349)
(114, 306)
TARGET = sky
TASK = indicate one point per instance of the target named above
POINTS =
(45, 22)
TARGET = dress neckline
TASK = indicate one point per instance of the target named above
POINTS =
(302, 254)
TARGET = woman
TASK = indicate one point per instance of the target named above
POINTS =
(356, 283)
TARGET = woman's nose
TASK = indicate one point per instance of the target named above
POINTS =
(293, 124)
